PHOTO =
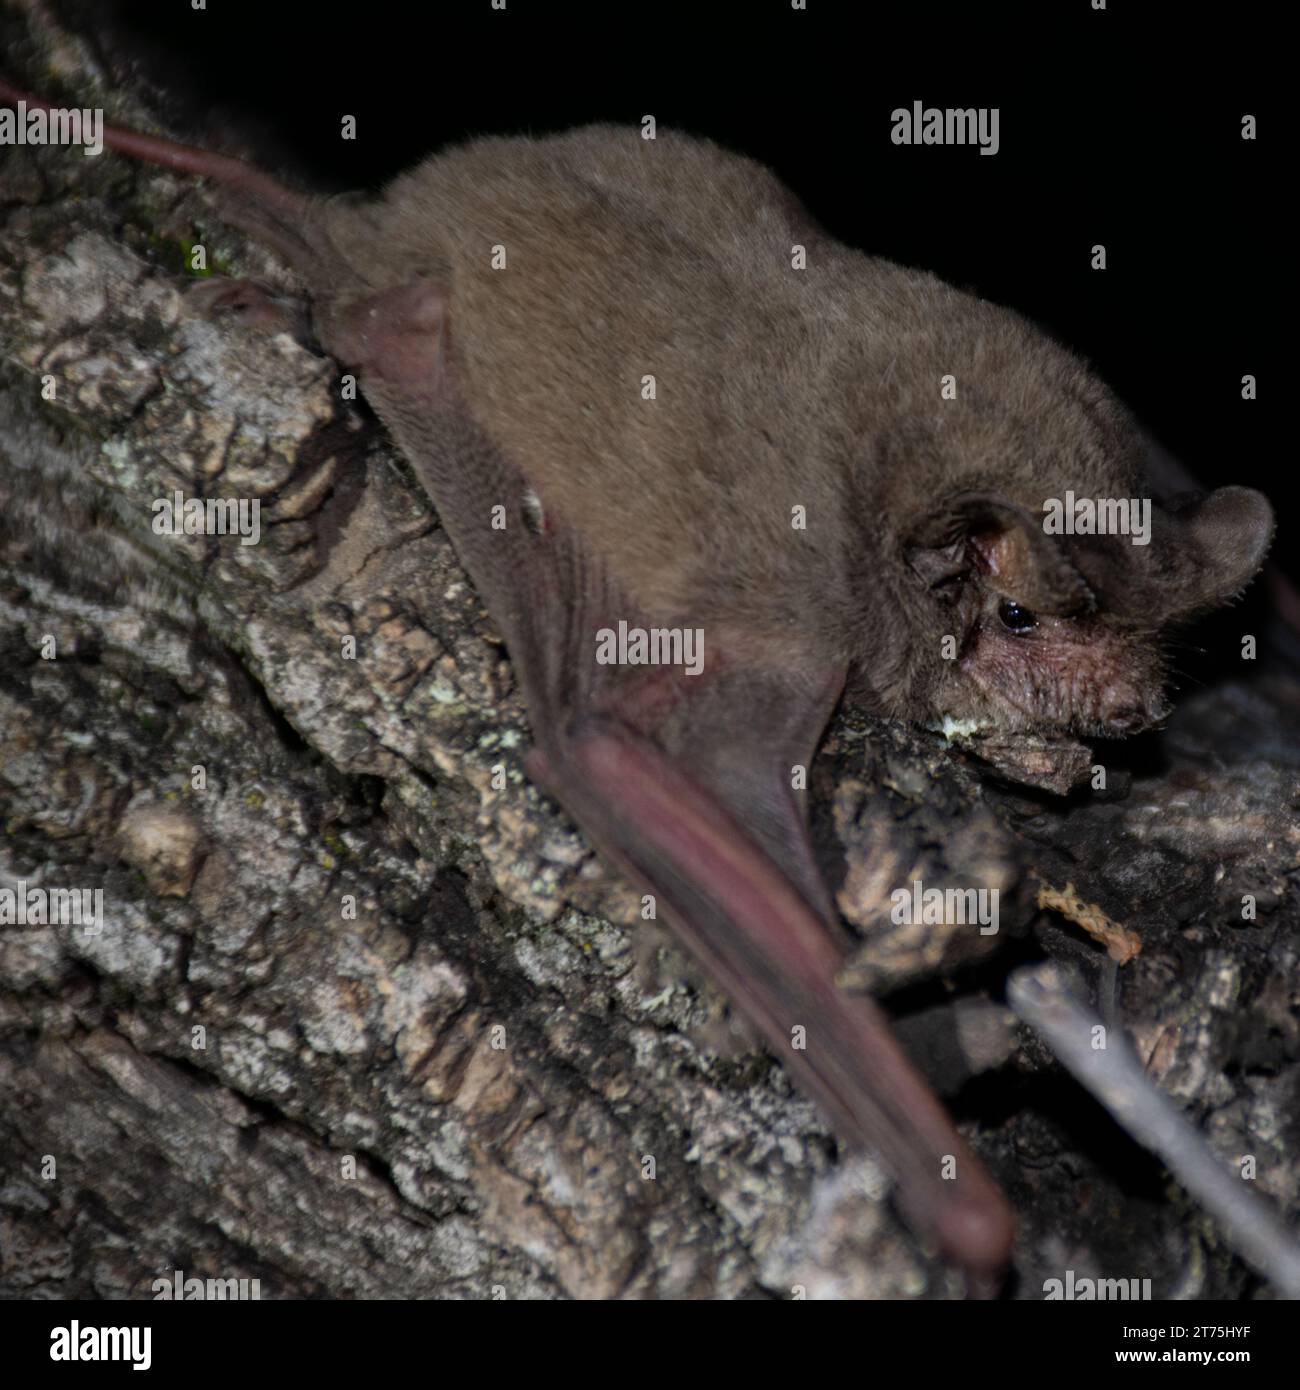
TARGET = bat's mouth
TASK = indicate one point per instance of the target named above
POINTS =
(1062, 692)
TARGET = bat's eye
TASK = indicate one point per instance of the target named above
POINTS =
(1014, 618)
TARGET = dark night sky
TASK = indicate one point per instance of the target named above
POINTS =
(1114, 129)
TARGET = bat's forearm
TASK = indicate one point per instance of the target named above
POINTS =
(755, 934)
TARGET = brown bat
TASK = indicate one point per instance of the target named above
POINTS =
(718, 437)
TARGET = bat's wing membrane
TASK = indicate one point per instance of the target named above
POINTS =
(705, 820)
(687, 783)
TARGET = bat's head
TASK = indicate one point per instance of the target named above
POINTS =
(1048, 620)
(1032, 573)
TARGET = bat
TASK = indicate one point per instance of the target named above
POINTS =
(711, 472)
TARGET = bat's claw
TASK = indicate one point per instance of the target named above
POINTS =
(252, 303)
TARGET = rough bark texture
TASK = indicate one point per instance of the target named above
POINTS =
(457, 1089)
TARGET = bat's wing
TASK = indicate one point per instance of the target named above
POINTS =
(684, 781)
(720, 840)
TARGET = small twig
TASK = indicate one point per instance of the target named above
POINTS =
(1113, 1074)
(1120, 943)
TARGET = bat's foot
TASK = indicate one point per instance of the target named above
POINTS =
(251, 303)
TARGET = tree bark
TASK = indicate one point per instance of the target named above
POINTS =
(366, 1018)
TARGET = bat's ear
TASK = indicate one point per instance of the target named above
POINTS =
(988, 534)
(1217, 543)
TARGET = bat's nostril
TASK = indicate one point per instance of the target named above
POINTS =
(1133, 716)
(1129, 717)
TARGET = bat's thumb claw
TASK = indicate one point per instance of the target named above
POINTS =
(977, 1235)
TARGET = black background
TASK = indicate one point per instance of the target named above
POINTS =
(1120, 126)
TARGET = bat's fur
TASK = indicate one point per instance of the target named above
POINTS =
(779, 388)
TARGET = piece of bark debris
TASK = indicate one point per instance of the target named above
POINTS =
(1121, 944)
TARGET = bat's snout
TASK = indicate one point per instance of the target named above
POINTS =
(1133, 713)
